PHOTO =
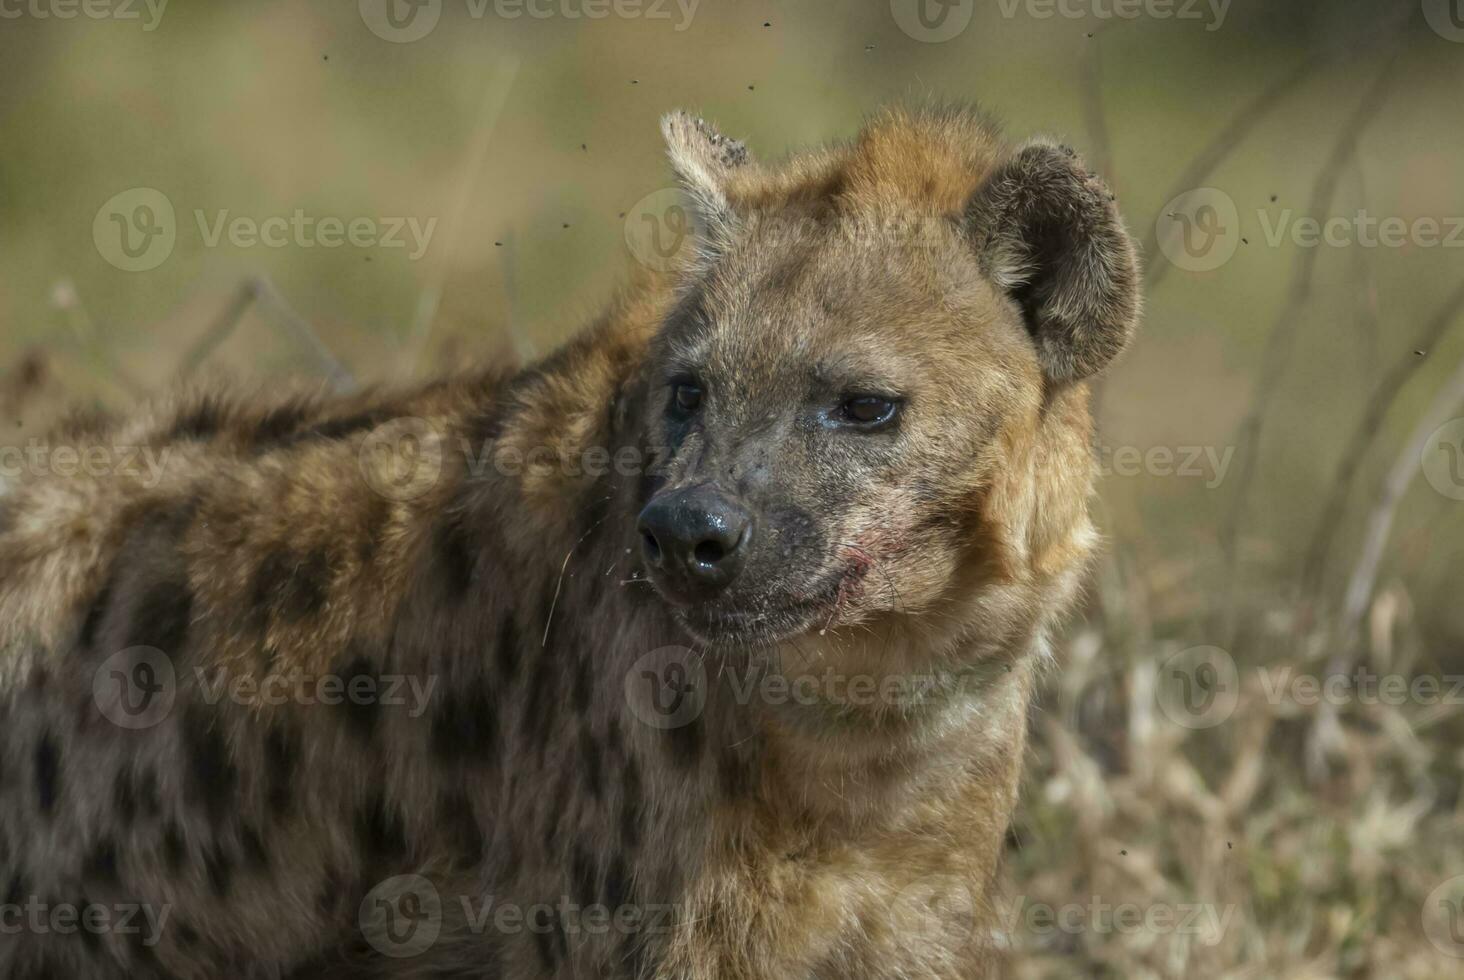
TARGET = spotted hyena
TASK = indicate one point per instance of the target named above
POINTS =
(700, 649)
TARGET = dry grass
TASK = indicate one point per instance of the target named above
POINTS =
(1287, 840)
(1313, 870)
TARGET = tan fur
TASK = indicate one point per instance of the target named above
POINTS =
(791, 838)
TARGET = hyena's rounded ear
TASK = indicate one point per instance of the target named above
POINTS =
(1047, 231)
(704, 161)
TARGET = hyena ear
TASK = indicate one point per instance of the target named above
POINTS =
(1047, 231)
(704, 161)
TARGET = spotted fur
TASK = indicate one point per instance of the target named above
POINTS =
(753, 837)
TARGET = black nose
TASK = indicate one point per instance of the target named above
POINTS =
(694, 539)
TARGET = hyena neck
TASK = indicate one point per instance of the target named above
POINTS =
(868, 745)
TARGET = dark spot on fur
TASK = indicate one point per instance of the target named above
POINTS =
(736, 774)
(281, 757)
(332, 891)
(251, 846)
(380, 830)
(124, 798)
(586, 875)
(374, 523)
(187, 935)
(346, 425)
(547, 934)
(100, 863)
(486, 425)
(91, 940)
(617, 885)
(538, 708)
(219, 868)
(465, 725)
(360, 704)
(276, 425)
(199, 421)
(684, 743)
(630, 805)
(160, 618)
(506, 653)
(94, 613)
(460, 827)
(554, 816)
(454, 558)
(175, 853)
(311, 581)
(48, 773)
(583, 683)
(147, 793)
(212, 777)
(290, 585)
(592, 763)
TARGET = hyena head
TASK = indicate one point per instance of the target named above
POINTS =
(869, 339)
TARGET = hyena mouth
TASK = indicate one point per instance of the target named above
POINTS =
(759, 627)
(775, 618)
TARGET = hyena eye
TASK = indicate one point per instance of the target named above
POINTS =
(868, 410)
(686, 396)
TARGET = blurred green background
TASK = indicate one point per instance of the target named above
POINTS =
(531, 140)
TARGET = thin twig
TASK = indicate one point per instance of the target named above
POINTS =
(1214, 153)
(1365, 433)
(1390, 494)
(66, 299)
(1234, 132)
(1323, 732)
(297, 326)
(1286, 327)
(559, 583)
(220, 330)
(495, 96)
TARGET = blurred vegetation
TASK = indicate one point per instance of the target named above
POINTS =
(530, 139)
